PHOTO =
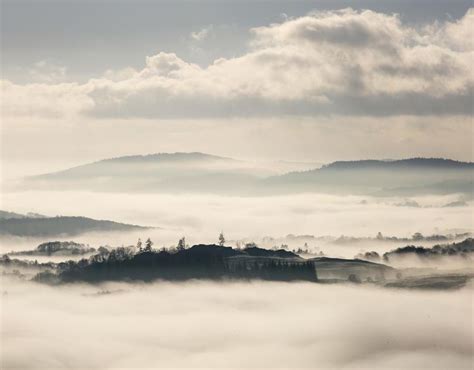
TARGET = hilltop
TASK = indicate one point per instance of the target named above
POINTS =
(60, 226)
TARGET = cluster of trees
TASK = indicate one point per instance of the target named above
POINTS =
(273, 269)
(179, 247)
(6, 261)
(148, 245)
(197, 262)
(57, 248)
(463, 249)
(369, 256)
(143, 262)
(416, 237)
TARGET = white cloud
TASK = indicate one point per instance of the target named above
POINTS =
(44, 100)
(202, 33)
(47, 72)
(343, 62)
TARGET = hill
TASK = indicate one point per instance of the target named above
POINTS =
(401, 177)
(7, 215)
(351, 269)
(198, 262)
(410, 163)
(162, 172)
(463, 249)
(204, 173)
(56, 248)
(60, 226)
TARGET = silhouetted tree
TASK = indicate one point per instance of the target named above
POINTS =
(103, 250)
(148, 245)
(181, 244)
(139, 245)
(417, 236)
(6, 259)
(221, 239)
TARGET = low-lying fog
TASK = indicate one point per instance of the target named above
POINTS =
(247, 325)
(243, 325)
(200, 218)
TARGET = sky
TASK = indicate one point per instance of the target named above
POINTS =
(312, 81)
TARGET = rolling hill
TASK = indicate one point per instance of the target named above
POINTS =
(162, 172)
(204, 173)
(412, 176)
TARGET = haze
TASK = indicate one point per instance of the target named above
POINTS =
(246, 184)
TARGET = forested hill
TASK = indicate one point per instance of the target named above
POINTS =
(405, 177)
(60, 226)
(198, 262)
(410, 163)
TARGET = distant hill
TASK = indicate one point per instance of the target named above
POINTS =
(162, 172)
(412, 176)
(464, 249)
(204, 173)
(6, 215)
(56, 248)
(410, 163)
(60, 226)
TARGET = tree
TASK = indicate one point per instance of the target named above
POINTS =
(139, 245)
(181, 244)
(148, 245)
(418, 236)
(103, 250)
(6, 259)
(221, 239)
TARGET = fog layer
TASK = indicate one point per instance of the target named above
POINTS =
(245, 325)
(200, 218)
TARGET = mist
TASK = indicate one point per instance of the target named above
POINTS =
(224, 325)
(201, 217)
(204, 184)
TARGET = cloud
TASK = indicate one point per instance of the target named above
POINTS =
(44, 100)
(47, 72)
(233, 325)
(343, 62)
(202, 33)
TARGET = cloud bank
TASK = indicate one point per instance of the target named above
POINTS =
(233, 325)
(333, 62)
